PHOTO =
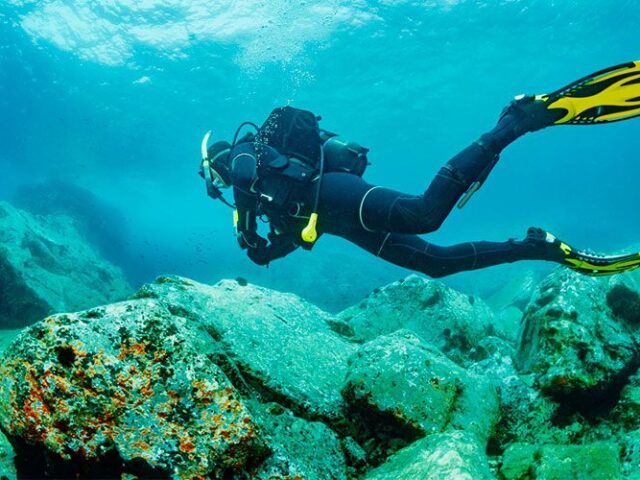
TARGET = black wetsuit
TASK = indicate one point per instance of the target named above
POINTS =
(384, 222)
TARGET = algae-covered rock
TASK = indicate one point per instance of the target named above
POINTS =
(627, 410)
(631, 455)
(402, 380)
(131, 381)
(282, 345)
(301, 449)
(455, 455)
(571, 341)
(596, 461)
(525, 414)
(7, 467)
(450, 320)
(623, 300)
(46, 267)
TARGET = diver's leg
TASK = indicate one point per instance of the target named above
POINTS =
(414, 253)
(411, 251)
(388, 210)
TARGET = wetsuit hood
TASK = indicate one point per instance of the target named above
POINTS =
(220, 157)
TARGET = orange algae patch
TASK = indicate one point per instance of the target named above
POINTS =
(135, 349)
(217, 419)
(118, 400)
(200, 384)
(231, 406)
(161, 356)
(140, 445)
(146, 391)
(34, 408)
(123, 352)
(77, 350)
(138, 349)
(187, 446)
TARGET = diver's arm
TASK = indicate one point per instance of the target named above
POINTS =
(247, 227)
(243, 177)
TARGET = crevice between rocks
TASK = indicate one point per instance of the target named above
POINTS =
(594, 404)
(379, 433)
(347, 425)
(35, 461)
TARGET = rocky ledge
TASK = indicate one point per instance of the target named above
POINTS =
(185, 380)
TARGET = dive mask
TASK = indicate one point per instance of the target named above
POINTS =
(215, 167)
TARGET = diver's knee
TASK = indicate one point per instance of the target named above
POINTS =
(428, 222)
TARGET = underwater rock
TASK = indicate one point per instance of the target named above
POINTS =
(515, 292)
(596, 461)
(571, 341)
(455, 455)
(525, 414)
(450, 320)
(624, 301)
(631, 455)
(7, 467)
(627, 410)
(46, 267)
(282, 346)
(301, 449)
(402, 381)
(99, 222)
(125, 388)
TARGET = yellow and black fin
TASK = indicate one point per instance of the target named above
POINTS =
(609, 95)
(556, 250)
(601, 266)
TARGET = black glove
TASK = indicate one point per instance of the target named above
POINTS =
(259, 256)
(279, 246)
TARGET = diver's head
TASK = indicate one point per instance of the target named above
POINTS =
(219, 155)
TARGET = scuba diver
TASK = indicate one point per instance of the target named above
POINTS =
(305, 181)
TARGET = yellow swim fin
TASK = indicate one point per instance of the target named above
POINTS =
(555, 250)
(601, 266)
(610, 95)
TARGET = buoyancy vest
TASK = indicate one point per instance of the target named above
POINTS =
(292, 151)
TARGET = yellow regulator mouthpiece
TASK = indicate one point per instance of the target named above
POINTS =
(236, 218)
(309, 233)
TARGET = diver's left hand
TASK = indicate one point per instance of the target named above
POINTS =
(259, 256)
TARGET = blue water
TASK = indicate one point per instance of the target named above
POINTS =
(114, 97)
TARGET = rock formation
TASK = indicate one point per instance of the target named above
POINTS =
(46, 266)
(187, 380)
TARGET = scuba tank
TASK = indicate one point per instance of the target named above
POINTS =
(343, 156)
